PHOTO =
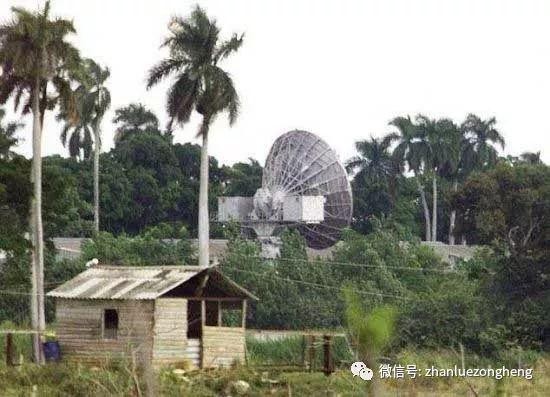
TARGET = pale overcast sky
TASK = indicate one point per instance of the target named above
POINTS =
(340, 69)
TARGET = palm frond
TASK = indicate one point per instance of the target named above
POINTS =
(227, 47)
(164, 69)
(181, 98)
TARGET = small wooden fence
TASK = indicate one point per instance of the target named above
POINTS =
(311, 342)
(10, 345)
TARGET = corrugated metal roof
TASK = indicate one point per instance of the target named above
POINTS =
(121, 282)
(133, 282)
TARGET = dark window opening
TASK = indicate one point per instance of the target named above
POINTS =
(110, 324)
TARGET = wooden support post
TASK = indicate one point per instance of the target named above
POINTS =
(9, 350)
(202, 284)
(203, 313)
(219, 313)
(328, 364)
(311, 353)
(304, 351)
(244, 314)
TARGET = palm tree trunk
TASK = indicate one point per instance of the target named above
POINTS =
(453, 218)
(427, 223)
(434, 207)
(37, 266)
(97, 149)
(204, 221)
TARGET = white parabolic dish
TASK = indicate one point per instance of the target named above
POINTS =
(302, 164)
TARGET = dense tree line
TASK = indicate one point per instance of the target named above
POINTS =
(424, 162)
(146, 179)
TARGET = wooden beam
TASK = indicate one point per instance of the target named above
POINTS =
(25, 332)
(244, 313)
(202, 284)
(9, 350)
(203, 313)
(328, 367)
(311, 353)
(212, 298)
(219, 313)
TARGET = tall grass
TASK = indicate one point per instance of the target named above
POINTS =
(21, 343)
(289, 351)
(266, 375)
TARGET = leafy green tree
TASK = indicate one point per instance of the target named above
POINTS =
(447, 310)
(200, 84)
(374, 181)
(243, 179)
(35, 58)
(116, 198)
(145, 250)
(188, 157)
(508, 204)
(7, 135)
(65, 211)
(150, 167)
(134, 119)
(15, 192)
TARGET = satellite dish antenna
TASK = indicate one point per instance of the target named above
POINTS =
(304, 186)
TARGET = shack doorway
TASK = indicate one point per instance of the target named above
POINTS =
(194, 319)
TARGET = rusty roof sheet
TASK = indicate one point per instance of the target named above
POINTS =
(121, 282)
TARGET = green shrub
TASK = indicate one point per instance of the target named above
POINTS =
(146, 250)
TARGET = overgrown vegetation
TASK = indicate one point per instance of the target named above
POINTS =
(158, 246)
(428, 179)
(116, 380)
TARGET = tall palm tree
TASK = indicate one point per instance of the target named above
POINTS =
(199, 84)
(374, 160)
(37, 62)
(439, 142)
(484, 138)
(459, 165)
(134, 118)
(93, 100)
(409, 153)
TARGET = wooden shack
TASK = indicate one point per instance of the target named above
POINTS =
(159, 315)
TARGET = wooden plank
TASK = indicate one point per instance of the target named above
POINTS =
(9, 350)
(328, 367)
(200, 288)
(244, 313)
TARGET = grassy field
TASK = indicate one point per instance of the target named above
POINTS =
(63, 380)
(265, 376)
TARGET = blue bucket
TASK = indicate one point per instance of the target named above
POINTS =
(52, 352)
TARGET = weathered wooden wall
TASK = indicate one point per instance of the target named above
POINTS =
(222, 346)
(79, 329)
(170, 331)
